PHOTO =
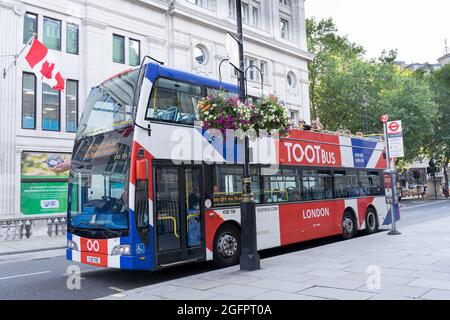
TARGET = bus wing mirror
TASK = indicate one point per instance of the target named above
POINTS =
(142, 169)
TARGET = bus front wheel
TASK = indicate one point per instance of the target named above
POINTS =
(227, 246)
(348, 225)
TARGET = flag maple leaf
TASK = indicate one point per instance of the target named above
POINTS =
(59, 82)
(47, 70)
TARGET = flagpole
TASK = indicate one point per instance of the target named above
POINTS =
(16, 56)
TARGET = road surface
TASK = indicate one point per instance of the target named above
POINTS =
(42, 275)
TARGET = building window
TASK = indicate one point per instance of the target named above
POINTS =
(28, 101)
(232, 9)
(72, 38)
(207, 4)
(200, 54)
(252, 72)
(245, 13)
(30, 26)
(250, 12)
(118, 49)
(71, 105)
(255, 17)
(134, 52)
(286, 2)
(264, 69)
(52, 33)
(284, 28)
(291, 79)
(294, 115)
(50, 108)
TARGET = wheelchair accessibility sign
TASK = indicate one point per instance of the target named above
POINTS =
(140, 248)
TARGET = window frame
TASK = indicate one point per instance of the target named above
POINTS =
(114, 36)
(76, 106)
(138, 54)
(288, 24)
(60, 32)
(37, 25)
(59, 111)
(35, 101)
(251, 5)
(202, 94)
(299, 178)
(205, 53)
(78, 38)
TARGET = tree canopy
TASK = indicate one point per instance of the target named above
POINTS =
(349, 91)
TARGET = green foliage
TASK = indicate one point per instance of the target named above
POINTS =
(350, 92)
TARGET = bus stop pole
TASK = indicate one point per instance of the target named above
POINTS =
(249, 259)
(391, 170)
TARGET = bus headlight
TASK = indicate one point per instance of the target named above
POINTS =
(121, 250)
(72, 245)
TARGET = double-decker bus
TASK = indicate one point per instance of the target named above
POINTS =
(149, 188)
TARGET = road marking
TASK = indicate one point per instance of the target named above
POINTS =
(116, 289)
(416, 206)
(25, 275)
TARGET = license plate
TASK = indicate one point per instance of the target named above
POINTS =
(95, 260)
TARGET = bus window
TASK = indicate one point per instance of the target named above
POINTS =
(317, 184)
(345, 184)
(363, 185)
(214, 91)
(374, 183)
(173, 101)
(282, 187)
(227, 185)
(326, 181)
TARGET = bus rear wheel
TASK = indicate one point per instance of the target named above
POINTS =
(371, 221)
(348, 225)
(227, 246)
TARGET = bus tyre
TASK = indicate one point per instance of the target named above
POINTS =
(227, 246)
(371, 221)
(348, 225)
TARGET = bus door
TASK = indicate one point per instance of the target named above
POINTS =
(178, 214)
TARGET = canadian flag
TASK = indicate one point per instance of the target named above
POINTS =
(43, 64)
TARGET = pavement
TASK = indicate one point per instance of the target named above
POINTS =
(33, 244)
(413, 265)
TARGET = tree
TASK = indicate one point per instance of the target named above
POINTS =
(350, 92)
(325, 44)
(439, 146)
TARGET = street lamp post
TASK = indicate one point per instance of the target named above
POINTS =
(249, 259)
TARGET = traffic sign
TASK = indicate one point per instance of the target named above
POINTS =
(395, 139)
(384, 118)
(394, 127)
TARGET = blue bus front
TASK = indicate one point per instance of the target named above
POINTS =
(101, 225)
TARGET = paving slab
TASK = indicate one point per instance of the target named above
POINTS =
(280, 285)
(237, 290)
(436, 294)
(410, 291)
(336, 294)
(415, 265)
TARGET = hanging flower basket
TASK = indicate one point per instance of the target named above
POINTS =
(270, 114)
(222, 112)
